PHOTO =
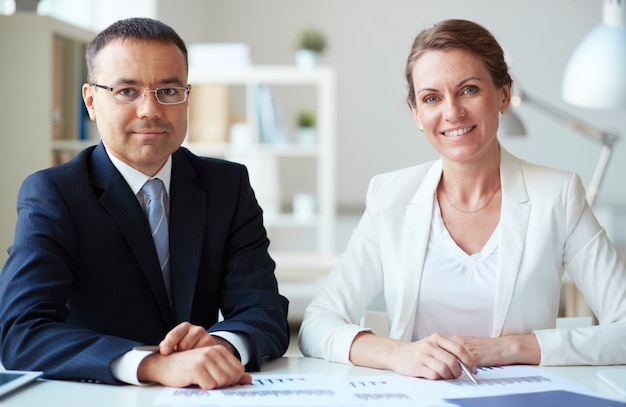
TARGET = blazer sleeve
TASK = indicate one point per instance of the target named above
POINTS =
(331, 321)
(597, 270)
(251, 303)
(35, 287)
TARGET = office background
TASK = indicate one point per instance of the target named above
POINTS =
(368, 41)
(368, 44)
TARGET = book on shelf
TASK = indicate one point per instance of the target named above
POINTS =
(272, 129)
(58, 87)
(69, 114)
(83, 117)
(209, 113)
(209, 103)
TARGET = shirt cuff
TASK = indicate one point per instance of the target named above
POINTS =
(126, 366)
(239, 343)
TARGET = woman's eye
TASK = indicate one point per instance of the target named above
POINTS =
(430, 99)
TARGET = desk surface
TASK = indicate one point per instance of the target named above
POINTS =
(52, 393)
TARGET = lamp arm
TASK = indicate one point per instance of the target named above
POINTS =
(598, 174)
(572, 122)
(607, 139)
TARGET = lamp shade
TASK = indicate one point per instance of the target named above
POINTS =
(595, 76)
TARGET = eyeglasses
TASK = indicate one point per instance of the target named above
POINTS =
(132, 94)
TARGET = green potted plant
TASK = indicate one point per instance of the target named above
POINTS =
(306, 121)
(309, 44)
(306, 118)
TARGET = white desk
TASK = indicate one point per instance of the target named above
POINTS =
(52, 393)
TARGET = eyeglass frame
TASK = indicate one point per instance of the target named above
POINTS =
(154, 91)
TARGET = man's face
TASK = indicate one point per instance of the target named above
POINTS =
(145, 132)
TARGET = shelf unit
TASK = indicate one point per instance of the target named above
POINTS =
(43, 69)
(43, 123)
(322, 152)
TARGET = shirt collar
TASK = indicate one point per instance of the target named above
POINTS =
(135, 179)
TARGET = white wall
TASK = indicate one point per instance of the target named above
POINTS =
(96, 15)
(369, 42)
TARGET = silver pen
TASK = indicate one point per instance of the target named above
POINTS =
(466, 370)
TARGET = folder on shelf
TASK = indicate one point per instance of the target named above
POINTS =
(272, 129)
(209, 113)
(58, 88)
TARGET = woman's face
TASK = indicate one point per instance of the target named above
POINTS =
(457, 104)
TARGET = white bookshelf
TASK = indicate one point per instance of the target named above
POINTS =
(42, 72)
(322, 224)
(40, 125)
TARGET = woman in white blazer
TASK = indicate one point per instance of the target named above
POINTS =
(469, 250)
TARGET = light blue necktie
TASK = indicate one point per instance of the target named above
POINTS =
(158, 226)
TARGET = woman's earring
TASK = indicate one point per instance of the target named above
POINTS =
(503, 111)
(421, 128)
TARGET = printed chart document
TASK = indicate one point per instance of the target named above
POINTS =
(510, 379)
(384, 390)
(300, 390)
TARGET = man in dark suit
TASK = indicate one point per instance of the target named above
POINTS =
(85, 285)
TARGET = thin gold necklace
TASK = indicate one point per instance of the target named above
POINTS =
(451, 202)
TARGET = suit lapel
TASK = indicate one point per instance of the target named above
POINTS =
(418, 212)
(119, 201)
(514, 224)
(188, 205)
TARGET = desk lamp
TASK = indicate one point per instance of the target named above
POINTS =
(595, 77)
(510, 124)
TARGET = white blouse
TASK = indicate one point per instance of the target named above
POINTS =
(457, 290)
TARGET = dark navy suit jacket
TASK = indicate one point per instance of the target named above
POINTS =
(82, 284)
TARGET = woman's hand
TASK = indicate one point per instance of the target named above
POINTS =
(435, 357)
(502, 351)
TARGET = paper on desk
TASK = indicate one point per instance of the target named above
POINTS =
(387, 390)
(539, 399)
(510, 379)
(300, 390)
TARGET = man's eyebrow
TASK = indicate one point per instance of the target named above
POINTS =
(134, 82)
(171, 81)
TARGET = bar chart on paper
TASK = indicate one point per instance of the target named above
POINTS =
(501, 381)
(277, 387)
(265, 390)
(302, 390)
(510, 379)
(384, 390)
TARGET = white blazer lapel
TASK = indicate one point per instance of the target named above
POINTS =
(514, 217)
(415, 235)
